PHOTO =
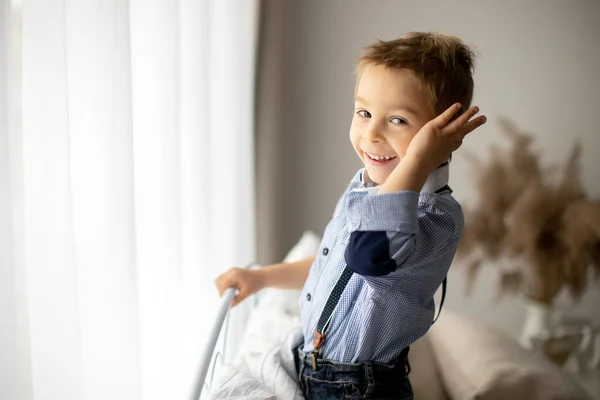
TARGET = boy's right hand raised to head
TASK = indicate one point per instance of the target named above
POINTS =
(430, 147)
(246, 281)
(438, 138)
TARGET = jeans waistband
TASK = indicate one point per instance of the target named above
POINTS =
(401, 362)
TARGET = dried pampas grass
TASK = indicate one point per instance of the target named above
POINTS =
(547, 228)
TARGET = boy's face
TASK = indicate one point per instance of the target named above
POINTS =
(390, 107)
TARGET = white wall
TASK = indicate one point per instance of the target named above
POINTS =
(539, 64)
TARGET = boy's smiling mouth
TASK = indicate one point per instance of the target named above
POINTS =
(379, 159)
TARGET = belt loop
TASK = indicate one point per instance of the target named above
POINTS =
(369, 379)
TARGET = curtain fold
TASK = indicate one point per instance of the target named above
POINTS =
(127, 189)
(270, 135)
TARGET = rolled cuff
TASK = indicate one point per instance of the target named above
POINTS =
(390, 212)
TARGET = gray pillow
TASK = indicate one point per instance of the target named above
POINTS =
(424, 377)
(476, 361)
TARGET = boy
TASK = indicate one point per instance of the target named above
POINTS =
(368, 294)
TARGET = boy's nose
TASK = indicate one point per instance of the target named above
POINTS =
(372, 133)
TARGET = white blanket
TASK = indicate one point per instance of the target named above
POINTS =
(264, 367)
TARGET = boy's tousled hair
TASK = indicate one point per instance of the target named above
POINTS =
(442, 62)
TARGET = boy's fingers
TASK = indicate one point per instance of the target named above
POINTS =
(219, 284)
(241, 296)
(445, 117)
(221, 287)
(223, 282)
(472, 125)
(463, 119)
(235, 301)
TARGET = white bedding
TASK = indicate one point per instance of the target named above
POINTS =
(264, 367)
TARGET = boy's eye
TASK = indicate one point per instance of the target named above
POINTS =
(364, 113)
(398, 121)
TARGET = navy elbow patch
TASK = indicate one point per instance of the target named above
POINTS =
(368, 254)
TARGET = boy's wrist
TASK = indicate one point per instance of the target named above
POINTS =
(269, 276)
(410, 174)
(262, 277)
(420, 165)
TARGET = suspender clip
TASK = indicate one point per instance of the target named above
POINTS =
(317, 343)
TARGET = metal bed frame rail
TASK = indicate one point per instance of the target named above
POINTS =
(212, 355)
(216, 346)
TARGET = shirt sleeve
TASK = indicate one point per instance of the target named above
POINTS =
(394, 231)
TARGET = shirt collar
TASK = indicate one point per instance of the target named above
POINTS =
(436, 180)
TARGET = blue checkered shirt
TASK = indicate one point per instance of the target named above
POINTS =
(378, 316)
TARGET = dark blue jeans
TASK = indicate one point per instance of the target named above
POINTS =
(333, 380)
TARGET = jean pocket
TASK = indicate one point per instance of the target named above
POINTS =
(325, 390)
(394, 394)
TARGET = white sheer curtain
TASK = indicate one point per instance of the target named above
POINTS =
(126, 186)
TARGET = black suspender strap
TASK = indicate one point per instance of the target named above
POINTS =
(336, 293)
(333, 299)
(327, 313)
(444, 284)
(443, 190)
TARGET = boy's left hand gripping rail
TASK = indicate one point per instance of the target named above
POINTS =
(205, 363)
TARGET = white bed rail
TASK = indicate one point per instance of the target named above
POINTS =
(209, 359)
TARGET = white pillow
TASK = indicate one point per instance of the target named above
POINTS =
(308, 245)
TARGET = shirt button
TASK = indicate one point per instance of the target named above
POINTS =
(325, 251)
(308, 297)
